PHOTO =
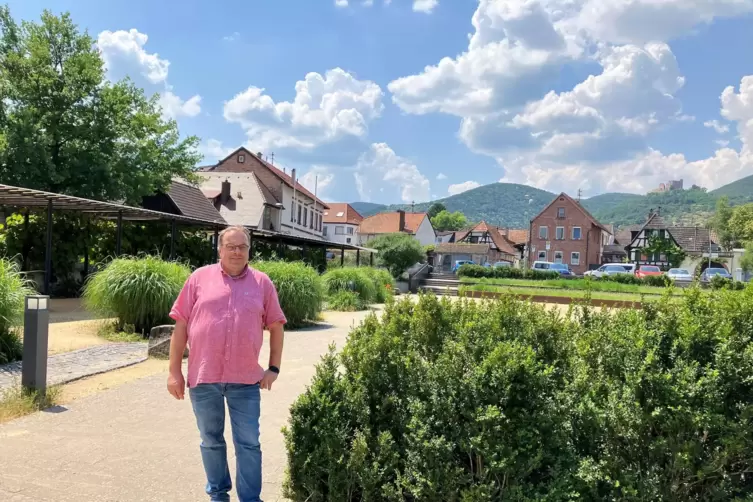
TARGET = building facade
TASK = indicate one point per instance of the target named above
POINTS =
(341, 223)
(300, 212)
(565, 232)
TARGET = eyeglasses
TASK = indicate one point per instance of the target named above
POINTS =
(241, 247)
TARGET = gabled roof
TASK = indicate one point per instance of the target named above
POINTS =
(496, 236)
(389, 223)
(284, 177)
(342, 212)
(579, 206)
(191, 202)
(517, 236)
(694, 239)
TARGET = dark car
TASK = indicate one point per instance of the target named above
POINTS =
(563, 269)
(710, 273)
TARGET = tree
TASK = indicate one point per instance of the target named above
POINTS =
(65, 128)
(397, 252)
(720, 223)
(658, 246)
(435, 209)
(746, 262)
(741, 223)
(446, 220)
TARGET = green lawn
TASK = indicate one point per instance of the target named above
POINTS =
(572, 284)
(564, 293)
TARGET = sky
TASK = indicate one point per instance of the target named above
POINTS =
(399, 101)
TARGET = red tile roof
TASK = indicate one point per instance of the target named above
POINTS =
(389, 223)
(499, 240)
(516, 236)
(342, 212)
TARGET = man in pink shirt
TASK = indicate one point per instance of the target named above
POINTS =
(221, 313)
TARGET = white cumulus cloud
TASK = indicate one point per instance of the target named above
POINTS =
(717, 126)
(325, 108)
(320, 179)
(425, 6)
(381, 172)
(462, 187)
(124, 54)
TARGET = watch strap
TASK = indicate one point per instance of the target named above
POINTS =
(274, 369)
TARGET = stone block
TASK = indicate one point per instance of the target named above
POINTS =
(159, 342)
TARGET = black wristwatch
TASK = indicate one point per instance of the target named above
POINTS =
(274, 369)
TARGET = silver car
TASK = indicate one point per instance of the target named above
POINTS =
(679, 275)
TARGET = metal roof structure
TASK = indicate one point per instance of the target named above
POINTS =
(38, 199)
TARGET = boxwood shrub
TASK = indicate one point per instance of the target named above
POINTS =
(505, 400)
(478, 271)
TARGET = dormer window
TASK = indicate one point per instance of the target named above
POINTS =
(241, 159)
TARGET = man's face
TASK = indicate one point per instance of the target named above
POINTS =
(234, 251)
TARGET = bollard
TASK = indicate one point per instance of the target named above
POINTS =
(36, 329)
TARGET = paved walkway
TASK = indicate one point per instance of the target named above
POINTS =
(70, 366)
(135, 443)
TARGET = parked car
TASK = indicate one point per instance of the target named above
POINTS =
(647, 270)
(710, 273)
(460, 263)
(629, 267)
(562, 268)
(679, 275)
(542, 265)
(502, 264)
(606, 270)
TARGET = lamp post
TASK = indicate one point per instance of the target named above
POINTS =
(36, 329)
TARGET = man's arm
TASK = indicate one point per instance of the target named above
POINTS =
(176, 384)
(276, 339)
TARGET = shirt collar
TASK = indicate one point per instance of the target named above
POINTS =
(239, 276)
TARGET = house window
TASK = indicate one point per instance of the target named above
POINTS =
(560, 233)
(574, 258)
(299, 213)
(350, 230)
(544, 233)
(542, 256)
(576, 233)
(241, 159)
(305, 215)
(339, 230)
(325, 231)
(311, 223)
(292, 212)
(347, 240)
(558, 257)
(561, 213)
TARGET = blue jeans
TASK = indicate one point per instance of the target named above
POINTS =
(244, 403)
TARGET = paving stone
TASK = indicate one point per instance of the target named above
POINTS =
(70, 366)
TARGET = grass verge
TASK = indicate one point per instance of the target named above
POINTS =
(572, 285)
(563, 293)
(17, 402)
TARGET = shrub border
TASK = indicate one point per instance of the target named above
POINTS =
(561, 300)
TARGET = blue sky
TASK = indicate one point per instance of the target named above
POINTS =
(403, 100)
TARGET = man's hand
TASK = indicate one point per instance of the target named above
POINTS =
(268, 380)
(176, 385)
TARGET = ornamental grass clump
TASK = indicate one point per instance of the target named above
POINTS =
(14, 288)
(353, 279)
(138, 291)
(299, 289)
(383, 282)
(508, 400)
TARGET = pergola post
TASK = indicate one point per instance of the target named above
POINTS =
(48, 251)
(216, 244)
(119, 234)
(342, 256)
(358, 257)
(371, 259)
(172, 239)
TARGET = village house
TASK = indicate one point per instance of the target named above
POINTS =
(415, 224)
(248, 190)
(565, 232)
(697, 243)
(341, 223)
(481, 244)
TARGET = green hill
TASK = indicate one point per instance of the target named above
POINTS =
(512, 205)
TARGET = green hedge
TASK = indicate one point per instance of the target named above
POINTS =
(13, 290)
(299, 288)
(138, 291)
(484, 401)
(478, 271)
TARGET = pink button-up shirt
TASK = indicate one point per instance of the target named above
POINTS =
(226, 317)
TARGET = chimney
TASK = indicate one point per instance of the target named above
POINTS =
(225, 192)
(259, 154)
(401, 225)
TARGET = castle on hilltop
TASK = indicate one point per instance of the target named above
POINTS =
(668, 186)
